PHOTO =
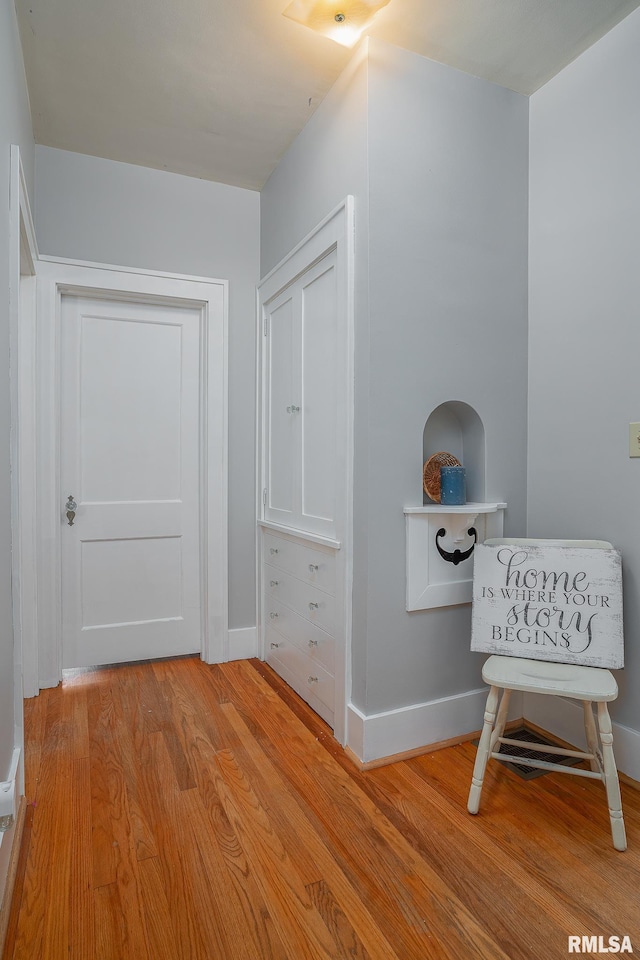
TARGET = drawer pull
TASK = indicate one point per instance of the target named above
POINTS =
(274, 616)
(273, 550)
(313, 567)
(293, 409)
(312, 679)
(274, 583)
(313, 606)
(313, 643)
(274, 646)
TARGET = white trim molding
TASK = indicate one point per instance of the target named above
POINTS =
(243, 643)
(23, 255)
(564, 718)
(56, 277)
(419, 725)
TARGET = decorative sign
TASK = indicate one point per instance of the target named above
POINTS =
(548, 602)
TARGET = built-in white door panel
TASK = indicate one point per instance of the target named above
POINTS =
(301, 371)
(143, 576)
(130, 402)
(319, 372)
(140, 418)
(283, 403)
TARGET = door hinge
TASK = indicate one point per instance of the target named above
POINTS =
(264, 497)
(266, 326)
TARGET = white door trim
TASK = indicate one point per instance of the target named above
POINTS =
(55, 277)
(23, 255)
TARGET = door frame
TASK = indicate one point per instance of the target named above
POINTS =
(23, 256)
(59, 276)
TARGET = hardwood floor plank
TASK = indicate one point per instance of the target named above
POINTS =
(116, 939)
(230, 729)
(182, 811)
(100, 710)
(228, 928)
(560, 841)
(348, 944)
(55, 936)
(80, 722)
(138, 694)
(370, 853)
(311, 836)
(298, 923)
(200, 732)
(133, 744)
(109, 941)
(82, 913)
(178, 864)
(37, 893)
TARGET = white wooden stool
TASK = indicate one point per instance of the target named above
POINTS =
(588, 684)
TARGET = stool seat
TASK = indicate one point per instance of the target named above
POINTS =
(559, 679)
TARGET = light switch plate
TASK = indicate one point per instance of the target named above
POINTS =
(634, 439)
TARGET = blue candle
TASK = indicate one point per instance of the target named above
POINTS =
(452, 486)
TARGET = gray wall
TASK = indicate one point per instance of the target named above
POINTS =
(584, 319)
(438, 163)
(448, 159)
(92, 209)
(15, 127)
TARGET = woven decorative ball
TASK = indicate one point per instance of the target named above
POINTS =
(431, 473)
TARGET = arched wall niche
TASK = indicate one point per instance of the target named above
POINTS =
(458, 429)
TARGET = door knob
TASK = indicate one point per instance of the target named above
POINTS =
(71, 506)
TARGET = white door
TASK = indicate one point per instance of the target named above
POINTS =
(130, 429)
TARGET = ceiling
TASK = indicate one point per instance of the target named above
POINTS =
(218, 89)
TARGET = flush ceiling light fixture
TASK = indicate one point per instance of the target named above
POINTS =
(341, 20)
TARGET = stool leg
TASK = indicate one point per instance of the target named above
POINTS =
(501, 720)
(591, 735)
(611, 779)
(483, 751)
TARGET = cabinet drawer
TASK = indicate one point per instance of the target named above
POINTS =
(309, 601)
(307, 677)
(315, 567)
(314, 642)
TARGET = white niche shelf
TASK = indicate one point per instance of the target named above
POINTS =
(439, 550)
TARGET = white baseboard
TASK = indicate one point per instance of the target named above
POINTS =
(419, 725)
(243, 643)
(564, 718)
(10, 842)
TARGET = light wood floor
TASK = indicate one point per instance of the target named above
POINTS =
(189, 812)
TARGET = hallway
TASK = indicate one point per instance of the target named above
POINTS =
(178, 810)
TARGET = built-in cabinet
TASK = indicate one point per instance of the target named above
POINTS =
(304, 465)
(301, 617)
(301, 332)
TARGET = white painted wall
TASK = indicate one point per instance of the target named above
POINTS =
(448, 268)
(584, 315)
(15, 128)
(92, 209)
(438, 163)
